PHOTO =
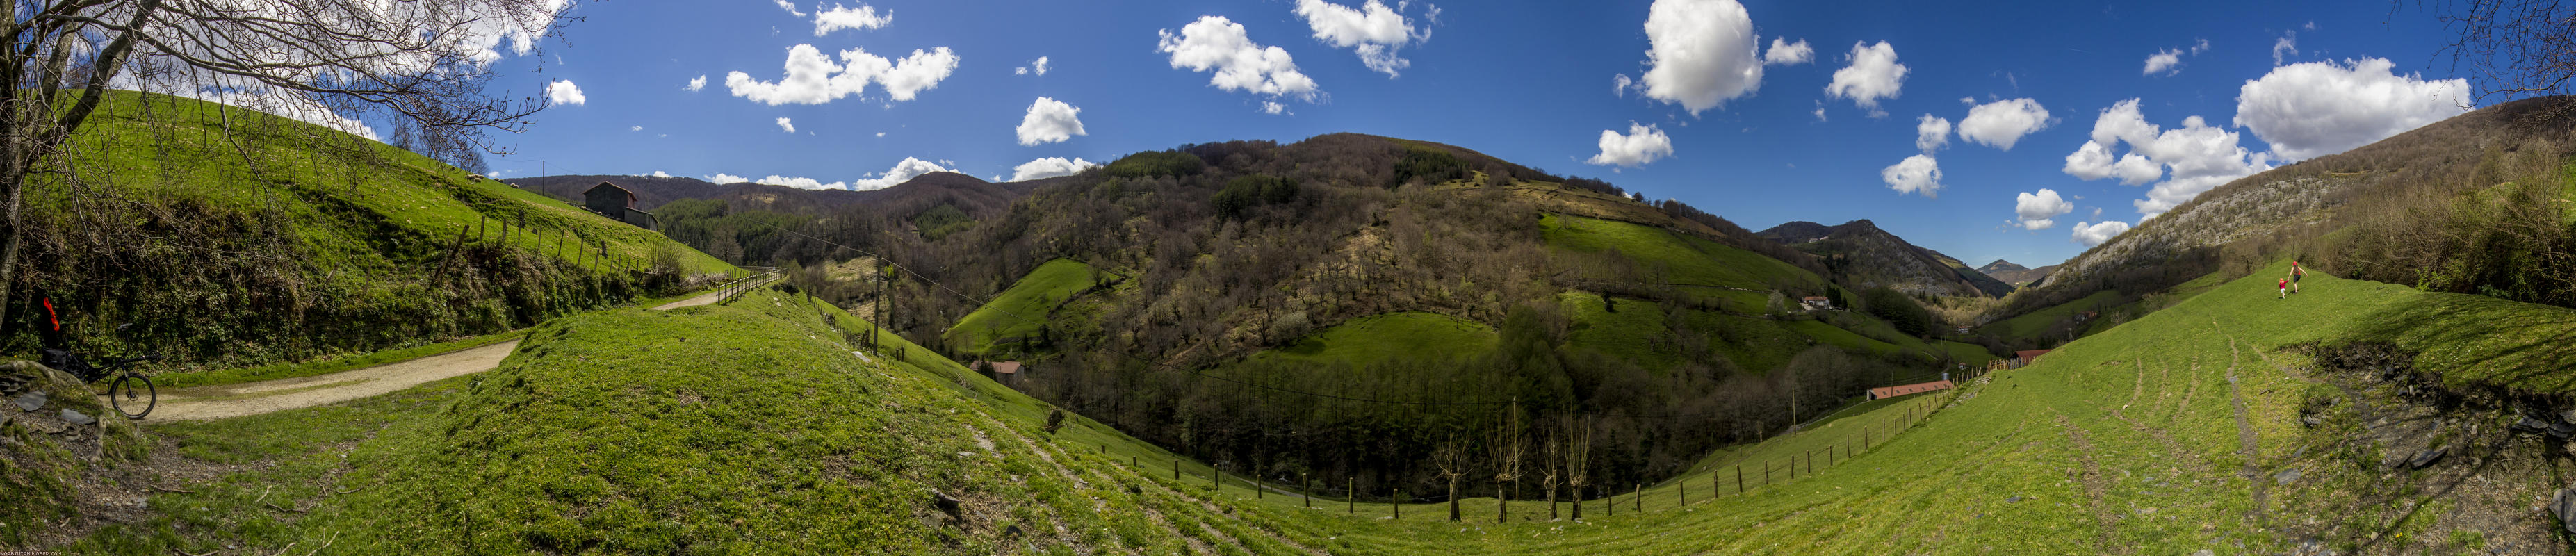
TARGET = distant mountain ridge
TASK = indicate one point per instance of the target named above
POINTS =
(1872, 256)
(2014, 274)
(971, 194)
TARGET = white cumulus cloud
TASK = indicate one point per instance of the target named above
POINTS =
(787, 124)
(790, 7)
(564, 92)
(1916, 174)
(1701, 53)
(1039, 67)
(901, 172)
(723, 178)
(814, 78)
(635, 128)
(2168, 62)
(1049, 167)
(1642, 144)
(1931, 133)
(2096, 233)
(2287, 46)
(660, 174)
(2193, 158)
(1871, 74)
(1274, 108)
(1373, 30)
(2002, 123)
(696, 84)
(2312, 109)
(1049, 121)
(2037, 210)
(838, 17)
(801, 182)
(1785, 53)
(1214, 43)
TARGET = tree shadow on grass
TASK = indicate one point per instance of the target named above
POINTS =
(2482, 342)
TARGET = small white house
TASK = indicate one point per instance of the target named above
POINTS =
(1816, 303)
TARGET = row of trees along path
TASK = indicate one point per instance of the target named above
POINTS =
(1564, 471)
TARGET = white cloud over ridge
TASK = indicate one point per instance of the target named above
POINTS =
(1931, 133)
(2193, 158)
(1871, 74)
(1049, 121)
(2095, 234)
(2311, 109)
(1373, 30)
(1643, 144)
(901, 172)
(801, 182)
(1049, 167)
(1221, 46)
(2002, 123)
(723, 178)
(813, 78)
(2036, 211)
(1916, 174)
(565, 93)
(838, 17)
(1702, 53)
(1785, 53)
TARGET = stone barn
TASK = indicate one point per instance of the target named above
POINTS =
(617, 203)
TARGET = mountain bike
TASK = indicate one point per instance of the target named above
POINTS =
(126, 390)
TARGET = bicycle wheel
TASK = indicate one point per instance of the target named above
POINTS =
(130, 392)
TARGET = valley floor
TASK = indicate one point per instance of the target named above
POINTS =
(751, 427)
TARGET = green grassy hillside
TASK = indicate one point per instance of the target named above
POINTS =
(270, 240)
(1742, 278)
(1382, 338)
(2133, 440)
(1021, 311)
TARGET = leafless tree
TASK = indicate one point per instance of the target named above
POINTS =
(2518, 46)
(1553, 448)
(421, 64)
(1578, 457)
(1451, 458)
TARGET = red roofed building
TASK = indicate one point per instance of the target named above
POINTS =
(1894, 391)
(2028, 356)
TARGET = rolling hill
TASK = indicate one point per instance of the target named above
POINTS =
(970, 194)
(228, 237)
(1872, 257)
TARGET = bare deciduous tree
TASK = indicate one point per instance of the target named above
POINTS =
(2518, 46)
(1451, 458)
(1509, 446)
(418, 64)
(1578, 457)
(1553, 448)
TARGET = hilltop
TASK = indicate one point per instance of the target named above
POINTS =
(970, 194)
(2017, 275)
(1873, 257)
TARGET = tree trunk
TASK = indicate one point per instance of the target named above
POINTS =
(1453, 499)
(1577, 499)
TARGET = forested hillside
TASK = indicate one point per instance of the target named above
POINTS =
(2474, 204)
(1873, 257)
(1226, 299)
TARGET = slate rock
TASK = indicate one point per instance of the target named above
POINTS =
(2528, 424)
(2564, 506)
(2286, 476)
(2562, 431)
(32, 401)
(2012, 499)
(77, 418)
(2567, 416)
(954, 507)
(2426, 458)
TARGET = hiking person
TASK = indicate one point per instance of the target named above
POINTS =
(2295, 274)
(2285, 288)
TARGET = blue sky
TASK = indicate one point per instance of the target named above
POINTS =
(1534, 83)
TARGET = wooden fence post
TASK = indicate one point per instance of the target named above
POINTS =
(1306, 484)
(1176, 469)
(1739, 477)
(1351, 494)
(1397, 503)
(1683, 488)
(1610, 503)
(1641, 497)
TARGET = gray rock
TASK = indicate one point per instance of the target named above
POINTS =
(2205, 552)
(2528, 424)
(2562, 431)
(2567, 416)
(2286, 476)
(32, 401)
(2564, 506)
(2426, 458)
(2012, 499)
(77, 418)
